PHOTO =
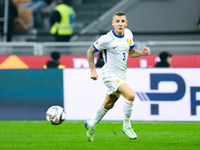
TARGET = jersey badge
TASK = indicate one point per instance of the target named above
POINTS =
(129, 42)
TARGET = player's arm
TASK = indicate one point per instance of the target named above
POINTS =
(133, 53)
(90, 57)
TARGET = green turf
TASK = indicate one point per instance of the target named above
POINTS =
(39, 135)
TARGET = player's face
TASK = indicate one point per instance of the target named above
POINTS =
(119, 23)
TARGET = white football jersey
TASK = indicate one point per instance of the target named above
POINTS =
(115, 51)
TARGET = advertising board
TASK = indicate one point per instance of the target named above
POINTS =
(171, 94)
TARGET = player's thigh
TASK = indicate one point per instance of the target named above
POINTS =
(126, 91)
(109, 101)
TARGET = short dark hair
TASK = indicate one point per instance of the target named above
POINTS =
(55, 55)
(119, 13)
(164, 55)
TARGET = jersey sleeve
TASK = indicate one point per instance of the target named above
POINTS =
(131, 38)
(100, 44)
(132, 46)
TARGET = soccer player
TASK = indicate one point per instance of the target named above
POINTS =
(116, 46)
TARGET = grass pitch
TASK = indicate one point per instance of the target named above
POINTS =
(71, 135)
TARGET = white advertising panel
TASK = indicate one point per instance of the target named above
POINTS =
(171, 94)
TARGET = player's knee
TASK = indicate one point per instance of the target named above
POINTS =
(131, 97)
(108, 105)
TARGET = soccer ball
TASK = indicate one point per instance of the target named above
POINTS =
(55, 115)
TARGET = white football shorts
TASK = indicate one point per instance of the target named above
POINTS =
(112, 82)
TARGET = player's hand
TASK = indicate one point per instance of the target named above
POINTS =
(146, 51)
(94, 75)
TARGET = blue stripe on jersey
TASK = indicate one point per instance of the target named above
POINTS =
(116, 34)
(95, 48)
(132, 46)
(105, 55)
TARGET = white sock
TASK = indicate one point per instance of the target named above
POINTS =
(101, 111)
(127, 109)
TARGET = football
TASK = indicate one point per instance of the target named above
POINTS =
(55, 115)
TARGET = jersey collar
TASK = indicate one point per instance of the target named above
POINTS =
(116, 34)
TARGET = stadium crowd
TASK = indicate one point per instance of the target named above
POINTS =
(27, 15)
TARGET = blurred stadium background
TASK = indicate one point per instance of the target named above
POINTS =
(162, 25)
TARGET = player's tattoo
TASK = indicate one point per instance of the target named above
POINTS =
(90, 56)
(133, 53)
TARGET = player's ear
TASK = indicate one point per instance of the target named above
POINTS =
(113, 23)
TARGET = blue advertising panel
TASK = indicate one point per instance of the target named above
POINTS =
(27, 94)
